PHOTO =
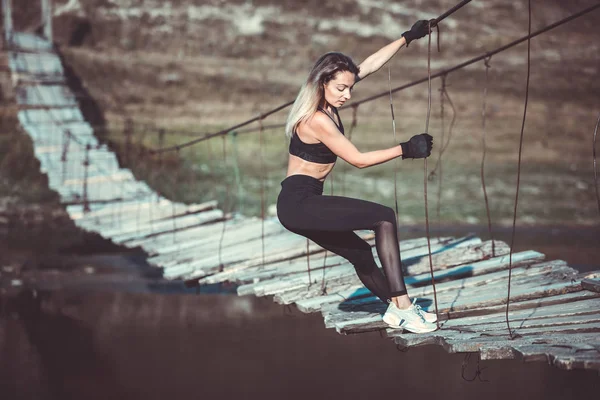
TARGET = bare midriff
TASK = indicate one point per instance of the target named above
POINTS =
(298, 166)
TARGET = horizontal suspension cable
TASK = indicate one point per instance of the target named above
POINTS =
(483, 56)
(386, 93)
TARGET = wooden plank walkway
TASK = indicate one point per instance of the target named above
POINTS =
(554, 310)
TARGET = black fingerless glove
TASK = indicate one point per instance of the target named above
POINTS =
(417, 31)
(419, 146)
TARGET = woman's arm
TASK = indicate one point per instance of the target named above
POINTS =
(323, 129)
(378, 59)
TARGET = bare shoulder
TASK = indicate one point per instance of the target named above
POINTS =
(321, 124)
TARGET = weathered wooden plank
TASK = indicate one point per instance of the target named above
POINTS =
(30, 41)
(155, 209)
(43, 64)
(211, 264)
(564, 350)
(538, 274)
(295, 281)
(45, 95)
(418, 285)
(300, 264)
(372, 320)
(476, 274)
(457, 342)
(50, 116)
(591, 284)
(162, 227)
(197, 242)
(571, 357)
(252, 271)
(457, 256)
(489, 337)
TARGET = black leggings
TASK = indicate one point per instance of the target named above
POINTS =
(330, 221)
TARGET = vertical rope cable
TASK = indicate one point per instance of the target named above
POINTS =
(262, 187)
(439, 191)
(395, 164)
(425, 174)
(308, 263)
(349, 136)
(483, 144)
(225, 206)
(323, 288)
(594, 155)
(512, 240)
(236, 172)
(86, 165)
(173, 211)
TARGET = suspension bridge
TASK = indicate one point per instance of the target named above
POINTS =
(554, 310)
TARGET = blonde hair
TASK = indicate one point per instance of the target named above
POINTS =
(312, 92)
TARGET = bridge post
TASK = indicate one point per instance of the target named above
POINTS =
(8, 25)
(47, 18)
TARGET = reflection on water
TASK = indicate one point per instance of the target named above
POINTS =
(69, 345)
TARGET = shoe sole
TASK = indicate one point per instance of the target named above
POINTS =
(408, 327)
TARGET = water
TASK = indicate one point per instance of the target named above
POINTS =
(121, 333)
(68, 345)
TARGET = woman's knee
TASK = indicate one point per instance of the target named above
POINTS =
(387, 217)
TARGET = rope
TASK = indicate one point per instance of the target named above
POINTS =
(437, 75)
(395, 161)
(323, 288)
(262, 188)
(444, 146)
(425, 174)
(485, 55)
(594, 155)
(225, 206)
(483, 144)
(308, 263)
(236, 172)
(439, 161)
(86, 164)
(222, 132)
(352, 126)
(173, 211)
(512, 240)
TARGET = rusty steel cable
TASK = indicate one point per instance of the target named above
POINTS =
(223, 131)
(484, 147)
(485, 55)
(512, 240)
(594, 155)
(399, 88)
(395, 143)
(425, 175)
(439, 160)
(444, 146)
(433, 23)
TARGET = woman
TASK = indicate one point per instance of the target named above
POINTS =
(317, 139)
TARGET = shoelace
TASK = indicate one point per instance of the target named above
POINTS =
(419, 312)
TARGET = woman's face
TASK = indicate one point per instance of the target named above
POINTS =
(338, 90)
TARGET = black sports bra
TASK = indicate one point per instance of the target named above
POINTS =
(315, 152)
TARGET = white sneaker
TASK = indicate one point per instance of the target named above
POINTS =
(411, 319)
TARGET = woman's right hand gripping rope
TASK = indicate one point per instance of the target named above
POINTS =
(419, 146)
